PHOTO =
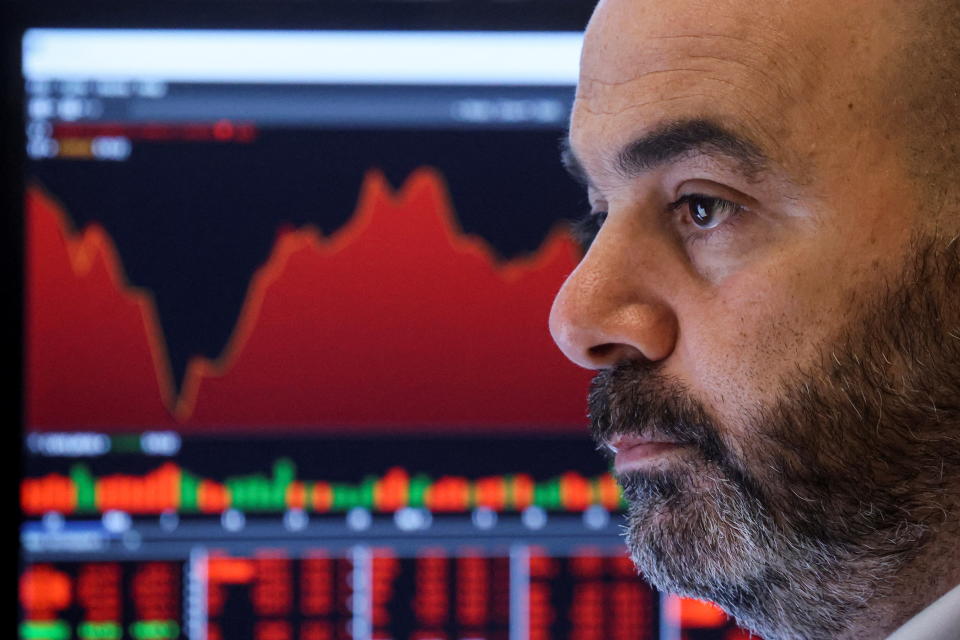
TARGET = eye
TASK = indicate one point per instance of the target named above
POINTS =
(706, 212)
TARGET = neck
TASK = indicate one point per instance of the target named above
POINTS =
(935, 571)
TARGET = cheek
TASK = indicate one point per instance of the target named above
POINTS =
(781, 312)
(737, 347)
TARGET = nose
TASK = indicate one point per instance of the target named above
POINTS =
(613, 306)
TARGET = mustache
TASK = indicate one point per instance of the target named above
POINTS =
(635, 398)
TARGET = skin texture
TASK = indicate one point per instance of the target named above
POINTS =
(804, 304)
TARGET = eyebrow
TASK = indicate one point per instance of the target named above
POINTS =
(671, 142)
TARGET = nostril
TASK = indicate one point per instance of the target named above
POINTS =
(610, 353)
(602, 351)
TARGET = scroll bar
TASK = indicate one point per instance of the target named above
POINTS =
(669, 617)
(361, 624)
(196, 594)
(519, 592)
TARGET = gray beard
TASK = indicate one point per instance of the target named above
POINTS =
(845, 480)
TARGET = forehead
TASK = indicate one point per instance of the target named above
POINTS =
(776, 72)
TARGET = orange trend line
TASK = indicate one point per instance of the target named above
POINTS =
(83, 248)
(373, 189)
(425, 184)
(375, 193)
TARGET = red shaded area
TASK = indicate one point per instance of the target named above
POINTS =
(92, 347)
(397, 321)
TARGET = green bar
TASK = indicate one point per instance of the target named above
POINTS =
(53, 630)
(554, 494)
(344, 497)
(418, 489)
(99, 631)
(236, 491)
(263, 493)
(336, 496)
(189, 492)
(366, 491)
(284, 472)
(245, 494)
(509, 502)
(86, 492)
(547, 494)
(252, 491)
(249, 493)
(155, 630)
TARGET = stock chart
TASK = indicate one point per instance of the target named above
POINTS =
(287, 367)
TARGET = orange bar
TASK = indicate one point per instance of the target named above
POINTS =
(226, 570)
(125, 488)
(65, 497)
(212, 497)
(574, 491)
(158, 491)
(296, 496)
(522, 491)
(393, 491)
(171, 486)
(136, 494)
(31, 500)
(491, 493)
(450, 493)
(102, 493)
(609, 492)
(322, 497)
(150, 499)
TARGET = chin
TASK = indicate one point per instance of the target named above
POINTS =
(695, 533)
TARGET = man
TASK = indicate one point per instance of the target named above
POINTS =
(770, 295)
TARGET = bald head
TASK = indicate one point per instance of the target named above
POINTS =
(791, 74)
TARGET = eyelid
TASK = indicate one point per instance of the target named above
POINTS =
(711, 189)
(687, 197)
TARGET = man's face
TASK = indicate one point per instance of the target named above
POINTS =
(767, 293)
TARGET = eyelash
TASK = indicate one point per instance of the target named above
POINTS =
(587, 227)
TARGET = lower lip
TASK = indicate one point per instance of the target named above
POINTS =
(641, 454)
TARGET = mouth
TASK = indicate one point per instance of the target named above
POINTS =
(635, 452)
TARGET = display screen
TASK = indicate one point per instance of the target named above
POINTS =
(287, 369)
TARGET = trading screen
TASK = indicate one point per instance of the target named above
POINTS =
(287, 371)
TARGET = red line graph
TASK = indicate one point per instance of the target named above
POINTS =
(398, 320)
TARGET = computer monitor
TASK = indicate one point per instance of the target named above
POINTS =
(286, 368)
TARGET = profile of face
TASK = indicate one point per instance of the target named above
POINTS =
(769, 295)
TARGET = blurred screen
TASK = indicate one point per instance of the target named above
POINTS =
(287, 370)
